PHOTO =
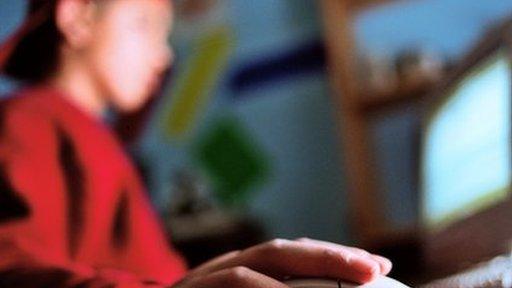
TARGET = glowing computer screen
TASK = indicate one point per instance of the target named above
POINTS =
(466, 145)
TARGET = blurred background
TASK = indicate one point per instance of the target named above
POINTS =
(296, 118)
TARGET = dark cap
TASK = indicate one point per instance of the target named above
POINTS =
(37, 13)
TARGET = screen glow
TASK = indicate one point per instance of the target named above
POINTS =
(466, 156)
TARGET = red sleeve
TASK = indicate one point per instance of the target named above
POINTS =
(33, 236)
(22, 269)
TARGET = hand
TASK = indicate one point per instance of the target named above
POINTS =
(266, 265)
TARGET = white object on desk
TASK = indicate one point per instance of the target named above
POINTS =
(380, 282)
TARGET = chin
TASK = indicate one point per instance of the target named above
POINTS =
(130, 106)
(130, 100)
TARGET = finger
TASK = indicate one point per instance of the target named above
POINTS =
(215, 264)
(281, 258)
(236, 277)
(384, 263)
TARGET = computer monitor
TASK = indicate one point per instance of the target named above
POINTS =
(465, 170)
(467, 145)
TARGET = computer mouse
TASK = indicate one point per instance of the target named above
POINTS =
(379, 282)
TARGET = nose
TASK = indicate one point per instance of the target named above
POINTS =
(169, 55)
(165, 58)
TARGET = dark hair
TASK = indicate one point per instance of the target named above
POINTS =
(36, 56)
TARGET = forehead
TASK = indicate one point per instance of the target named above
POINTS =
(154, 10)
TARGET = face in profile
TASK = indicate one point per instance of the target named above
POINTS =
(129, 51)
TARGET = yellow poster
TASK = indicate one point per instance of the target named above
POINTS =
(195, 87)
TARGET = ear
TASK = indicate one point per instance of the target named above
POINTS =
(75, 20)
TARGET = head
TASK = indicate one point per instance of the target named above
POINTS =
(116, 49)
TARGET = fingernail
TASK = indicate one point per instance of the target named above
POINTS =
(386, 265)
(364, 266)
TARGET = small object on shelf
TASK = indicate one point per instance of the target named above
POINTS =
(415, 66)
(495, 273)
(377, 73)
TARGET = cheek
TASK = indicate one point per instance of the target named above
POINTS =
(126, 72)
(129, 64)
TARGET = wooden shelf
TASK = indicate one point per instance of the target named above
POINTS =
(402, 94)
(364, 216)
(420, 255)
(367, 215)
(357, 6)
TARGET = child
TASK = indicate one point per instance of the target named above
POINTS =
(73, 212)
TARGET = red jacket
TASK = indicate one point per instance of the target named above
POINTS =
(73, 212)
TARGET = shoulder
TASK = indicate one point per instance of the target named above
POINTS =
(25, 122)
(28, 100)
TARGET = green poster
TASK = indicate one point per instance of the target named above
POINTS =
(231, 159)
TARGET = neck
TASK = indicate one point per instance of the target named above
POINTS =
(79, 88)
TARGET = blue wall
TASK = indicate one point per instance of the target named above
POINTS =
(447, 27)
(287, 114)
(290, 117)
(11, 15)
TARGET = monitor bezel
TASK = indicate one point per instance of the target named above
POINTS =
(440, 246)
(440, 104)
